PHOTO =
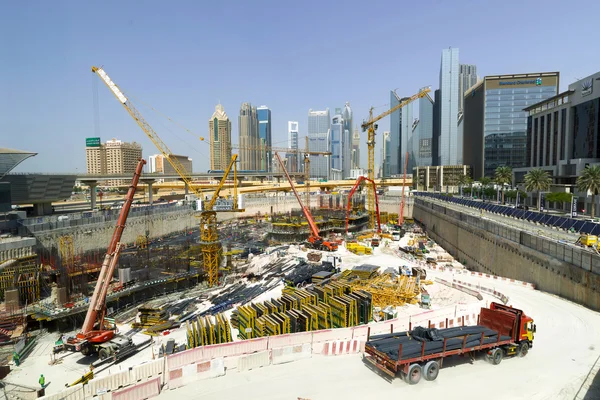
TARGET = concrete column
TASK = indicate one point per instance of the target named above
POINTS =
(43, 209)
(150, 199)
(92, 185)
(187, 189)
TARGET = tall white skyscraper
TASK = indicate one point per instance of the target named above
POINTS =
(319, 125)
(347, 141)
(467, 77)
(294, 159)
(448, 140)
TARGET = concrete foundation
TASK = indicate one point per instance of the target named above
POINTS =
(486, 246)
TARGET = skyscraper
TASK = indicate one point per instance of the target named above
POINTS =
(293, 163)
(219, 127)
(347, 141)
(467, 77)
(424, 135)
(264, 135)
(356, 149)
(435, 142)
(249, 140)
(336, 142)
(406, 140)
(448, 145)
(318, 140)
(391, 166)
(385, 154)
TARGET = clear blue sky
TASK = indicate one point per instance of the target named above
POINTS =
(182, 57)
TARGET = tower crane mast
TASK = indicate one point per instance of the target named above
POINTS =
(208, 222)
(370, 126)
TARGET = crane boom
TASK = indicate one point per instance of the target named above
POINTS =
(215, 196)
(422, 93)
(98, 301)
(152, 135)
(311, 223)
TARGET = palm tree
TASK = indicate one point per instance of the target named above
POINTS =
(537, 180)
(502, 177)
(590, 181)
(485, 182)
(463, 180)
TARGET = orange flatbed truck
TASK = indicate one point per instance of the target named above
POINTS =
(500, 331)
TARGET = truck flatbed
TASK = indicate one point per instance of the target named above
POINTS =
(421, 351)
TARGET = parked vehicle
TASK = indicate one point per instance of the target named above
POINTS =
(501, 331)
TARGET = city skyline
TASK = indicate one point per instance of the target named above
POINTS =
(55, 115)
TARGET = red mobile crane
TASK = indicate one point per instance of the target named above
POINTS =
(95, 330)
(349, 206)
(315, 240)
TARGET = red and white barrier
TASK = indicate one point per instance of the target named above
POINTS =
(193, 372)
(291, 339)
(340, 347)
(143, 390)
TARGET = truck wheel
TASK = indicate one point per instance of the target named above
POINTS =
(104, 354)
(86, 351)
(414, 374)
(523, 349)
(497, 356)
(432, 369)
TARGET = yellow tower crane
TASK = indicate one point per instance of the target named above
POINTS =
(209, 237)
(370, 126)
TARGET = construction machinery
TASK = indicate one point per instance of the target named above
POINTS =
(97, 330)
(208, 223)
(371, 126)
(209, 236)
(315, 240)
(360, 180)
(500, 331)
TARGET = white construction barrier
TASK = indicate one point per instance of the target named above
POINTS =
(235, 348)
(253, 361)
(290, 353)
(148, 370)
(143, 390)
(76, 392)
(190, 373)
(110, 383)
(291, 339)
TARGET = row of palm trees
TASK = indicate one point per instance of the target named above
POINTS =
(538, 180)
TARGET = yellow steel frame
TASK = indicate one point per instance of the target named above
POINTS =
(370, 127)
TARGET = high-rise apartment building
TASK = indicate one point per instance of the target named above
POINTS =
(264, 136)
(113, 157)
(448, 139)
(356, 149)
(250, 148)
(495, 122)
(467, 77)
(293, 159)
(319, 125)
(219, 127)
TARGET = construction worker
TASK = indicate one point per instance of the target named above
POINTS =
(16, 359)
(42, 380)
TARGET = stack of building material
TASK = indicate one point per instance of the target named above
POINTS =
(319, 277)
(388, 290)
(302, 310)
(314, 256)
(150, 316)
(208, 330)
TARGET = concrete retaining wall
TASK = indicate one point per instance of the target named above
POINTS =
(490, 247)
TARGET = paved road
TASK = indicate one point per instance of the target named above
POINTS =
(524, 225)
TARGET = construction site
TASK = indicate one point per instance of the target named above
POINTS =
(333, 273)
